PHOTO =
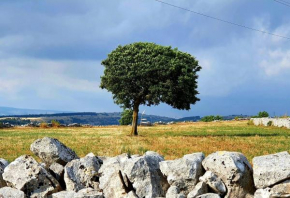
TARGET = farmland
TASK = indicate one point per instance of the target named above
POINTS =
(172, 141)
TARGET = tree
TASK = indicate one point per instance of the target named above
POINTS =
(211, 118)
(263, 114)
(147, 74)
(126, 117)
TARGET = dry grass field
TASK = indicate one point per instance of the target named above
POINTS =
(172, 141)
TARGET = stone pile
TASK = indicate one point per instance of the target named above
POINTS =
(62, 174)
(278, 122)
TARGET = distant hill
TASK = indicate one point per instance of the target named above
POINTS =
(93, 118)
(231, 117)
(5, 111)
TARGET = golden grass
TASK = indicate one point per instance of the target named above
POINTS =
(172, 141)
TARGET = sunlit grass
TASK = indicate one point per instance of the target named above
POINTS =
(172, 141)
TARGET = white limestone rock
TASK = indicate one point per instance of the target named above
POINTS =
(110, 181)
(145, 176)
(183, 172)
(27, 175)
(122, 174)
(214, 182)
(82, 173)
(199, 189)
(50, 150)
(210, 195)
(271, 169)
(174, 192)
(234, 170)
(8, 192)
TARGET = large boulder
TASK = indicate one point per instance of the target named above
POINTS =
(145, 175)
(271, 169)
(82, 173)
(50, 150)
(3, 164)
(183, 172)
(8, 192)
(234, 170)
(141, 174)
(110, 181)
(27, 175)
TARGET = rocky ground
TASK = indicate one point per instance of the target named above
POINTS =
(62, 174)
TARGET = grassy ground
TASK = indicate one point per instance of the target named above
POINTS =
(172, 141)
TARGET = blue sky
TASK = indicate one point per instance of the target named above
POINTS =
(50, 52)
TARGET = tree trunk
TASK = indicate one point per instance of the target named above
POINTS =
(135, 119)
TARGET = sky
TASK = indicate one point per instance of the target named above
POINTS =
(51, 50)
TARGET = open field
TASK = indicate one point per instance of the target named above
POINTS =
(172, 141)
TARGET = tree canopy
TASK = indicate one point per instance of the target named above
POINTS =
(148, 74)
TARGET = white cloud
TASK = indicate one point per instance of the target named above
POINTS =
(276, 62)
(35, 74)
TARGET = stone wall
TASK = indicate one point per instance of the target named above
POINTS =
(278, 122)
(62, 174)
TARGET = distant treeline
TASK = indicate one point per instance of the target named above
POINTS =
(93, 118)
(59, 114)
(15, 121)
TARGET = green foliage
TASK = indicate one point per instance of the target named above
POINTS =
(126, 117)
(147, 74)
(1, 125)
(261, 114)
(211, 118)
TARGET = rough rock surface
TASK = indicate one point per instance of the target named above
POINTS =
(271, 169)
(82, 173)
(64, 194)
(200, 189)
(141, 174)
(279, 190)
(8, 192)
(3, 164)
(89, 193)
(84, 193)
(234, 170)
(131, 194)
(214, 182)
(209, 195)
(27, 175)
(110, 181)
(174, 192)
(145, 175)
(183, 172)
(57, 171)
(263, 193)
(50, 150)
